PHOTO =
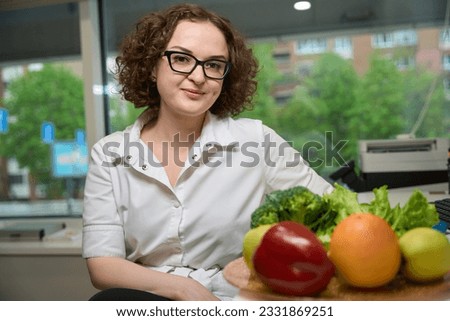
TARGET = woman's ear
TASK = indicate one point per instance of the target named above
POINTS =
(153, 75)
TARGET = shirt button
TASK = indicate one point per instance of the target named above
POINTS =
(176, 204)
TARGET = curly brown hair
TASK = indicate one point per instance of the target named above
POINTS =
(141, 50)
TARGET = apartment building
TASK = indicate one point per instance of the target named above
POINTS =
(426, 47)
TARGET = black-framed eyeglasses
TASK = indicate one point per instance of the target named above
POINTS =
(186, 63)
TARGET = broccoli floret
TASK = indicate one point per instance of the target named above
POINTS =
(267, 213)
(297, 204)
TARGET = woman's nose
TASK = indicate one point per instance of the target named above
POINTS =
(197, 75)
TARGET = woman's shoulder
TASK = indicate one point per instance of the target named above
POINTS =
(244, 121)
(117, 138)
(254, 128)
(229, 130)
(246, 126)
(131, 133)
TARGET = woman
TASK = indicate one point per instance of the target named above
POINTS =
(169, 199)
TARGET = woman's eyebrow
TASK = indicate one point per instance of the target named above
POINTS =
(181, 49)
(219, 57)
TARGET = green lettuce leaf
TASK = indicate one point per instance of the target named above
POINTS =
(380, 204)
(417, 212)
(343, 201)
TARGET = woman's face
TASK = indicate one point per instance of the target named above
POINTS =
(191, 95)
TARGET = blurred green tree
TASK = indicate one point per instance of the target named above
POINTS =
(53, 94)
(122, 113)
(424, 93)
(264, 106)
(380, 102)
(318, 114)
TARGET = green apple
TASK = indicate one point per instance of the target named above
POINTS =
(251, 241)
(427, 254)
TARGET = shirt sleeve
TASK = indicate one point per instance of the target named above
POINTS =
(103, 233)
(285, 167)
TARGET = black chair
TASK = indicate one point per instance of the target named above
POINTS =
(123, 294)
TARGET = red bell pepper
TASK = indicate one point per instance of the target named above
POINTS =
(291, 260)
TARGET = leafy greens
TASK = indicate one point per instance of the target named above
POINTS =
(322, 214)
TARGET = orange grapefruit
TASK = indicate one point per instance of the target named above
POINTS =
(365, 250)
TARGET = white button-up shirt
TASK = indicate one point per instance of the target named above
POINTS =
(196, 227)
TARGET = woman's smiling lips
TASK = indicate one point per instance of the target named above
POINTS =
(193, 93)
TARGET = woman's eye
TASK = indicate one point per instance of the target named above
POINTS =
(181, 59)
(213, 65)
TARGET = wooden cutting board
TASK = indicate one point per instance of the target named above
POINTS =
(238, 274)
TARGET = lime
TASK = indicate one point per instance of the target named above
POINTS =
(427, 254)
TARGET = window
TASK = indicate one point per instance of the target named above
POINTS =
(404, 62)
(343, 46)
(120, 112)
(329, 79)
(304, 68)
(320, 92)
(398, 38)
(445, 38)
(21, 180)
(281, 99)
(311, 46)
(446, 62)
(447, 87)
(405, 38)
(43, 109)
(383, 40)
(283, 61)
(282, 57)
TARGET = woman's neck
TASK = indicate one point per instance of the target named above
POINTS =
(170, 129)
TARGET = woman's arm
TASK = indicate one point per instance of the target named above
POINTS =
(287, 168)
(110, 272)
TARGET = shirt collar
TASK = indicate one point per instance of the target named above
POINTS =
(141, 121)
(216, 131)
